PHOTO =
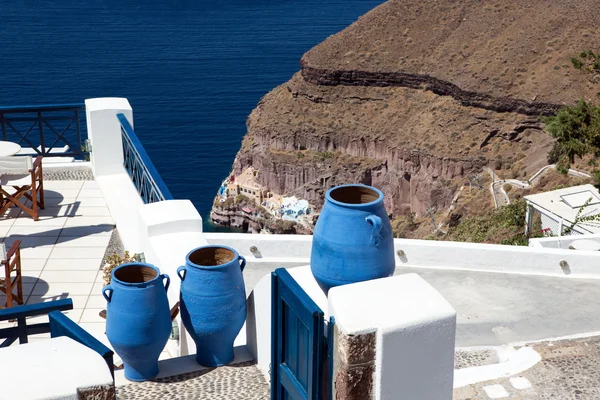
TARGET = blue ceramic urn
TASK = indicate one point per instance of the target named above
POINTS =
(138, 320)
(213, 301)
(353, 240)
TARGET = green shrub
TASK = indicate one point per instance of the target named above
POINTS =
(112, 262)
(504, 225)
(577, 132)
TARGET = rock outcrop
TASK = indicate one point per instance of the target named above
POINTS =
(417, 96)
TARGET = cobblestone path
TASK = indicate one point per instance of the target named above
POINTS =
(237, 382)
(569, 370)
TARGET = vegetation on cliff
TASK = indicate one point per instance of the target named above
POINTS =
(504, 225)
(577, 128)
(577, 132)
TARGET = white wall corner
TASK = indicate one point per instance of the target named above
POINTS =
(104, 132)
(169, 216)
(258, 325)
(412, 329)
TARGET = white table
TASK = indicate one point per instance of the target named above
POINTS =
(585, 244)
(8, 149)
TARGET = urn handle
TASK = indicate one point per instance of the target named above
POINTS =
(376, 232)
(242, 263)
(165, 276)
(104, 290)
(179, 272)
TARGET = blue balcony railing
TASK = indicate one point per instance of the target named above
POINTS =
(46, 130)
(144, 176)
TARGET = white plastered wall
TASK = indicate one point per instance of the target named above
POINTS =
(415, 333)
(164, 231)
(104, 132)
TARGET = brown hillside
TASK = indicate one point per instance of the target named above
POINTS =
(482, 52)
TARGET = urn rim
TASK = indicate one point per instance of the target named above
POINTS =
(236, 256)
(135, 284)
(376, 191)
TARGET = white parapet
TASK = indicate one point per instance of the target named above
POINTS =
(104, 132)
(169, 216)
(394, 339)
(168, 231)
(258, 325)
(58, 368)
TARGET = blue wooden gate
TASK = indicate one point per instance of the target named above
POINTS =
(299, 348)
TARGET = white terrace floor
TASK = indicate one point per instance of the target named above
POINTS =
(62, 253)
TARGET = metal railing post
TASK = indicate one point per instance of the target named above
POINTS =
(3, 126)
(41, 127)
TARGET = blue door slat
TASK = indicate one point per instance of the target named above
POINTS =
(330, 355)
(303, 348)
(277, 391)
(298, 341)
(290, 384)
(316, 343)
(292, 285)
(291, 342)
(303, 309)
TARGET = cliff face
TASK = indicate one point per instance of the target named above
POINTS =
(417, 96)
(412, 144)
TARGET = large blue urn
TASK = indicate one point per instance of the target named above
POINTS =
(213, 301)
(353, 239)
(138, 321)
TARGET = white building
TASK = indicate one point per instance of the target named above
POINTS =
(560, 208)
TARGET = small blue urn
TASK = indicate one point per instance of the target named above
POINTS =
(138, 320)
(353, 240)
(213, 301)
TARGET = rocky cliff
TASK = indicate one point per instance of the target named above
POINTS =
(417, 96)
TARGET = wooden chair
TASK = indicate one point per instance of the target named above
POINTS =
(11, 263)
(26, 178)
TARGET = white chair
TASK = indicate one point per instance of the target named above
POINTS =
(25, 176)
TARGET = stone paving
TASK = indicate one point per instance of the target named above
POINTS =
(474, 358)
(62, 253)
(68, 174)
(234, 382)
(569, 370)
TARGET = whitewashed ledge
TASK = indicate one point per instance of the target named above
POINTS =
(58, 368)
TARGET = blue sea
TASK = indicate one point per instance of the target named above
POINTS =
(192, 70)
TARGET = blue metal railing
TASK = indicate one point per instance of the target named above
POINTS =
(136, 161)
(45, 129)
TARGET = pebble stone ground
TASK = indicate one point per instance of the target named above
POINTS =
(68, 174)
(569, 370)
(235, 382)
(474, 358)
